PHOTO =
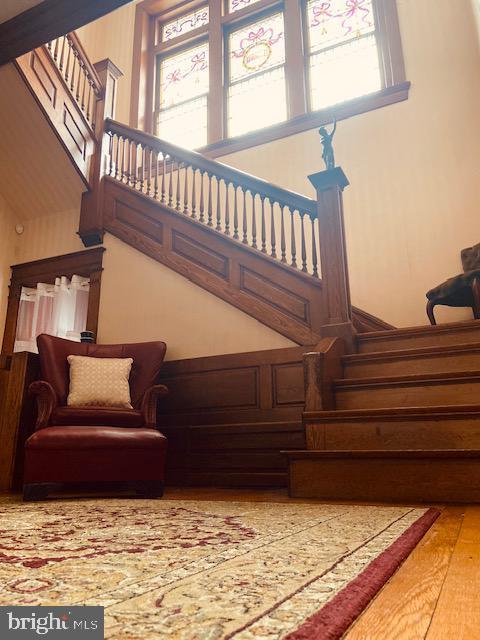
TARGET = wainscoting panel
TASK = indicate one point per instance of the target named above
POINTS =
(228, 417)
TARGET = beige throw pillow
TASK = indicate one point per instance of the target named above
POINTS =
(99, 382)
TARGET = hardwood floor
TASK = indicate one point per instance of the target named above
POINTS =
(434, 594)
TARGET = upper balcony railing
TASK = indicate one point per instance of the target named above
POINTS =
(79, 74)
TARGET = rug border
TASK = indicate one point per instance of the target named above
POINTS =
(335, 617)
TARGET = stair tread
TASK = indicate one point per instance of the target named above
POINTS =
(420, 330)
(442, 376)
(383, 453)
(395, 412)
(440, 350)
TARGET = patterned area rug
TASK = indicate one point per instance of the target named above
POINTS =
(196, 570)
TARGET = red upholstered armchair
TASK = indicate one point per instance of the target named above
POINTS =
(96, 444)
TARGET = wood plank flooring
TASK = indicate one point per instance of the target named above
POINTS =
(435, 593)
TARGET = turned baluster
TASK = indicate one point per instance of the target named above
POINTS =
(117, 152)
(177, 207)
(219, 211)
(170, 182)
(67, 63)
(273, 234)
(202, 206)
(55, 52)
(110, 154)
(49, 45)
(128, 163)
(84, 75)
(244, 218)
(282, 234)
(62, 55)
(122, 162)
(164, 169)
(227, 209)
(210, 216)
(155, 176)
(264, 230)
(293, 243)
(304, 247)
(314, 249)
(148, 162)
(254, 222)
(235, 212)
(89, 99)
(194, 193)
(74, 68)
(185, 191)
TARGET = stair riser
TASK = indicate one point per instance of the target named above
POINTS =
(388, 480)
(407, 366)
(389, 343)
(460, 433)
(420, 395)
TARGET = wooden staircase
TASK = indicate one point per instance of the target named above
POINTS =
(403, 423)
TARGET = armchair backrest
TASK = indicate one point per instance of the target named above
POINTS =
(471, 258)
(147, 362)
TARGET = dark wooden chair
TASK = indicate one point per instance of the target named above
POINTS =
(462, 290)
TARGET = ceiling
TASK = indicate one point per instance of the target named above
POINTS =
(11, 8)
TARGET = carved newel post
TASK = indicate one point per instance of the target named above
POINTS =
(333, 256)
(91, 219)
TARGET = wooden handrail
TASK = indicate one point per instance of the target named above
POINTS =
(242, 179)
(97, 83)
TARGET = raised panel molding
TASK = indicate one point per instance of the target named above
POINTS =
(138, 221)
(74, 130)
(200, 254)
(271, 293)
(288, 384)
(43, 77)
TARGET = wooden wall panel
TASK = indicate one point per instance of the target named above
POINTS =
(228, 417)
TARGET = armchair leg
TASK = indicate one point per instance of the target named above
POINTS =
(430, 307)
(476, 298)
(34, 492)
(149, 489)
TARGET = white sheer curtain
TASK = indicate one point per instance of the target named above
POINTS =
(59, 309)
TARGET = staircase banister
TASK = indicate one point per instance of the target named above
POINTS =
(77, 45)
(295, 201)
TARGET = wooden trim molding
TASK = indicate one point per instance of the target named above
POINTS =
(48, 20)
(82, 263)
(394, 89)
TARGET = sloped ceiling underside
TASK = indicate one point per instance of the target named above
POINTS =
(37, 177)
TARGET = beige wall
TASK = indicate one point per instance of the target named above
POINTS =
(413, 167)
(142, 299)
(7, 249)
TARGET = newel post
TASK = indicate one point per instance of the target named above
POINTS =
(91, 213)
(333, 255)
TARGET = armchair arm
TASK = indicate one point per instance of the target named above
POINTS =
(149, 404)
(46, 401)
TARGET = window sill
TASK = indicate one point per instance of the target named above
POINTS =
(383, 98)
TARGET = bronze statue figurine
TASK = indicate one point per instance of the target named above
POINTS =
(326, 140)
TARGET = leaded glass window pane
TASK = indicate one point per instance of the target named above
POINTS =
(256, 48)
(184, 76)
(236, 5)
(333, 22)
(184, 24)
(344, 72)
(185, 124)
(257, 91)
(257, 102)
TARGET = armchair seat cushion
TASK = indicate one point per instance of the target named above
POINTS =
(455, 291)
(84, 416)
(73, 438)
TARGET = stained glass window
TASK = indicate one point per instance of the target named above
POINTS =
(343, 51)
(182, 103)
(184, 24)
(256, 92)
(236, 5)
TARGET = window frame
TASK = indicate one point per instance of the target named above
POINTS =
(147, 46)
